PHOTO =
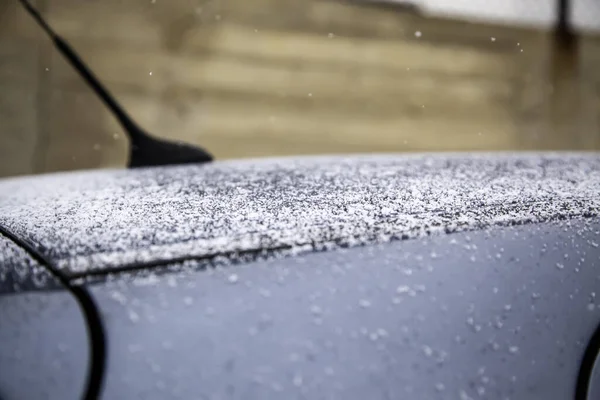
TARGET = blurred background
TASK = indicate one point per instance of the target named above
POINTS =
(284, 77)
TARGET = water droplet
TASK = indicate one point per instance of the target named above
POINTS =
(154, 367)
(402, 289)
(493, 39)
(559, 266)
(418, 34)
(316, 310)
(364, 303)
(171, 281)
(119, 297)
(133, 316)
(513, 349)
(428, 351)
(298, 380)
(233, 278)
(276, 387)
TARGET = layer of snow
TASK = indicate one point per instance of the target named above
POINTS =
(103, 220)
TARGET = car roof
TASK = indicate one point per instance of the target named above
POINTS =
(100, 222)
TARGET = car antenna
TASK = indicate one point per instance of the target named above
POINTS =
(145, 150)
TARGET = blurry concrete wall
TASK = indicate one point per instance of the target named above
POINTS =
(279, 77)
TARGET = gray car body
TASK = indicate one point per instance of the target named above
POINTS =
(422, 276)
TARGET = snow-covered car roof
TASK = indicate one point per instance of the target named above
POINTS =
(98, 222)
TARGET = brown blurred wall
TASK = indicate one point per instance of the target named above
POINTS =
(279, 77)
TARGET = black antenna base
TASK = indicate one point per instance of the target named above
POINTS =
(147, 151)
